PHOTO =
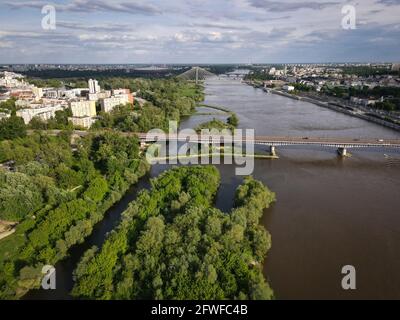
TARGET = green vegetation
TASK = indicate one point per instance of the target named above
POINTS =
(8, 106)
(167, 100)
(231, 123)
(391, 95)
(220, 69)
(233, 120)
(46, 83)
(57, 195)
(172, 244)
(11, 128)
(59, 122)
(301, 87)
(387, 106)
(366, 71)
(258, 75)
(215, 124)
(340, 92)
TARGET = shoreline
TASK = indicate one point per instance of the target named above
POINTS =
(332, 107)
(155, 160)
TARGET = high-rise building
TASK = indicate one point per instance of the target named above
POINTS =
(93, 86)
(83, 108)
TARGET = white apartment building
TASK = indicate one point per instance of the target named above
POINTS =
(94, 86)
(38, 92)
(396, 67)
(109, 104)
(83, 108)
(51, 94)
(74, 93)
(84, 122)
(99, 95)
(44, 112)
(68, 94)
(121, 91)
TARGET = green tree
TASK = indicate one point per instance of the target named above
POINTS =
(11, 128)
(233, 120)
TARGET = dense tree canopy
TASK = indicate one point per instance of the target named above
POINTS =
(172, 244)
(57, 195)
(12, 127)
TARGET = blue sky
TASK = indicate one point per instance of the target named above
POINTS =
(198, 31)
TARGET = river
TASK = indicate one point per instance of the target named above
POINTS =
(330, 211)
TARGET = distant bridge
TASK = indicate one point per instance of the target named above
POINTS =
(341, 144)
(196, 74)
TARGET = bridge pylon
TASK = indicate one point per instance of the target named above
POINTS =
(342, 152)
(272, 151)
(196, 74)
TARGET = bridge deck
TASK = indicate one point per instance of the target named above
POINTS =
(268, 140)
(261, 140)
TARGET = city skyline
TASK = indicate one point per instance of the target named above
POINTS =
(203, 32)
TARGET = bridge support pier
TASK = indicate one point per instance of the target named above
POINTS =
(272, 151)
(342, 152)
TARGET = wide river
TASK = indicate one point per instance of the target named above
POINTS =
(330, 212)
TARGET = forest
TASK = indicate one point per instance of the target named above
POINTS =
(174, 244)
(56, 194)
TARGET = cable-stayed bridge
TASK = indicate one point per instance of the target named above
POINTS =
(196, 74)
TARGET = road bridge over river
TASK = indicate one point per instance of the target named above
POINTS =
(341, 144)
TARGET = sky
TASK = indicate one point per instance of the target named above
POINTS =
(199, 31)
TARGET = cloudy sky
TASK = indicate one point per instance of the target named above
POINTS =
(198, 31)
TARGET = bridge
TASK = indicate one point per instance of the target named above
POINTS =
(341, 144)
(196, 74)
(235, 74)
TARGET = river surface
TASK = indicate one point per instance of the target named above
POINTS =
(330, 212)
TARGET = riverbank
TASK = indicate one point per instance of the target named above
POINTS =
(223, 109)
(332, 106)
(216, 154)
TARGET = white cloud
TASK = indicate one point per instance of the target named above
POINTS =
(215, 30)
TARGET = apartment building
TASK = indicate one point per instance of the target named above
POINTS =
(83, 108)
(43, 112)
(83, 122)
(107, 105)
